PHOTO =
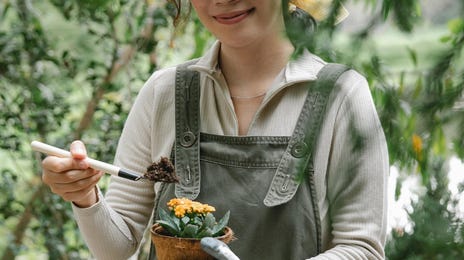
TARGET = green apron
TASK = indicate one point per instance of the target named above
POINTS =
(267, 182)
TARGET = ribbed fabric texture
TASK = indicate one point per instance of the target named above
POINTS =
(351, 160)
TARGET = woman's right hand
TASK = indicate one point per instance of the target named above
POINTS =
(71, 178)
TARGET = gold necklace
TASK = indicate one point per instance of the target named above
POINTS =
(249, 97)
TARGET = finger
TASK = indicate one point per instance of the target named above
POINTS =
(57, 164)
(70, 176)
(77, 187)
(78, 195)
(78, 150)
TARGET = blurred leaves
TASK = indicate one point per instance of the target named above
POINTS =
(406, 13)
(8, 203)
(437, 231)
(456, 26)
(47, 76)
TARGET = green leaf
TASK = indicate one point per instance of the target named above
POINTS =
(446, 39)
(197, 221)
(209, 221)
(412, 55)
(221, 224)
(189, 231)
(418, 87)
(207, 232)
(164, 215)
(399, 185)
(185, 220)
(456, 25)
(440, 144)
(386, 5)
(168, 226)
(170, 221)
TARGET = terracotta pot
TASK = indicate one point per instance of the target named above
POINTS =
(176, 248)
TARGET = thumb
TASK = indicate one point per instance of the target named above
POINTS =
(78, 150)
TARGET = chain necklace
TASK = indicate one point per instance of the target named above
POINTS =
(249, 97)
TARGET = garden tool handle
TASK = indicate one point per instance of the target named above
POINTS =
(217, 249)
(97, 165)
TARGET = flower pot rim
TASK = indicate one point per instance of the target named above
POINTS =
(156, 228)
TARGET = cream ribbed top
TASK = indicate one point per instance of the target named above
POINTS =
(351, 176)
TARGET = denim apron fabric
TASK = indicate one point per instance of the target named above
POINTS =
(266, 182)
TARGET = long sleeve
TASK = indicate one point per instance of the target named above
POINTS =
(356, 180)
(114, 227)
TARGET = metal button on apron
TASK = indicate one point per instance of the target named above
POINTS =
(299, 149)
(188, 139)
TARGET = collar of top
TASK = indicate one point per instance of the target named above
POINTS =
(304, 68)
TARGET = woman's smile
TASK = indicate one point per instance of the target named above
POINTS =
(233, 17)
(240, 23)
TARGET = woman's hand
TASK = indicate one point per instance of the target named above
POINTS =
(71, 178)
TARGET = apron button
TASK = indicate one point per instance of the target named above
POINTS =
(187, 139)
(299, 149)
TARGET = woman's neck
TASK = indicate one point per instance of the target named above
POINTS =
(258, 62)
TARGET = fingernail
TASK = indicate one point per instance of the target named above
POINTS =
(79, 150)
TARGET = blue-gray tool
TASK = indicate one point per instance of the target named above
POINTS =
(217, 249)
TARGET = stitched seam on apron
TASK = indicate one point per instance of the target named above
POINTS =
(317, 216)
(238, 164)
(245, 139)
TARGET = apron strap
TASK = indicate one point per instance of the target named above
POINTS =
(187, 149)
(298, 157)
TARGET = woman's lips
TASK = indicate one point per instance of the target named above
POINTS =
(233, 17)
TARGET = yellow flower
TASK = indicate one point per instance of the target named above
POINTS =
(417, 146)
(182, 206)
(179, 211)
(320, 9)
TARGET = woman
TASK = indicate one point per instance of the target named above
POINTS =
(254, 144)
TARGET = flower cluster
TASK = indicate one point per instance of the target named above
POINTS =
(184, 206)
(192, 219)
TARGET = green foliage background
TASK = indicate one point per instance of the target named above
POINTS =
(71, 69)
